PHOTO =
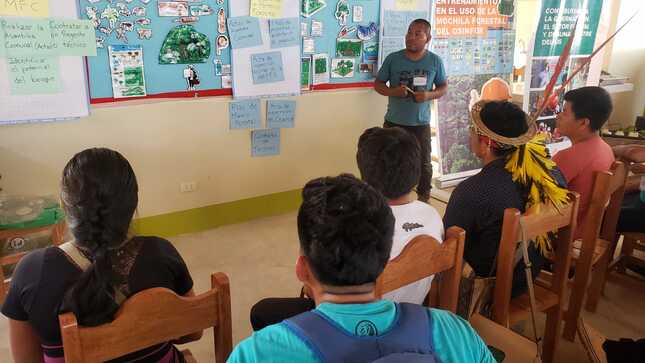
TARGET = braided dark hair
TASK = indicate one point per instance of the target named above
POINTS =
(99, 193)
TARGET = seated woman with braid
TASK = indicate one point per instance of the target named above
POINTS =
(501, 135)
(93, 274)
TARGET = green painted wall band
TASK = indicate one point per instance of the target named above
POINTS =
(199, 219)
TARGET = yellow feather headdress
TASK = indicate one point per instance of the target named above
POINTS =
(530, 166)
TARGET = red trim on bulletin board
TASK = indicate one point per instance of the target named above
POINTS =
(181, 94)
(328, 86)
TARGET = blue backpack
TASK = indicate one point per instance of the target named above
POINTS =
(409, 339)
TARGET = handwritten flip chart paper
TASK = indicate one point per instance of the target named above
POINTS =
(36, 8)
(414, 15)
(2, 51)
(247, 74)
(280, 114)
(244, 114)
(267, 67)
(395, 23)
(391, 45)
(32, 75)
(405, 4)
(284, 32)
(48, 37)
(265, 142)
(266, 8)
(244, 32)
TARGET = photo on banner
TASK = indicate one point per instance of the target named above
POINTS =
(476, 43)
(556, 23)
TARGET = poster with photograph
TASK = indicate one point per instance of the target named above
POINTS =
(476, 43)
(557, 20)
(126, 67)
(343, 67)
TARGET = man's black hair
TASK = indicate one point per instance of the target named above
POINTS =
(424, 22)
(504, 118)
(593, 103)
(389, 160)
(345, 228)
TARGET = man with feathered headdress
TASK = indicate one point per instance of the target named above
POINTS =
(517, 173)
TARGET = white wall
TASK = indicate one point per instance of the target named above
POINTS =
(176, 141)
(628, 59)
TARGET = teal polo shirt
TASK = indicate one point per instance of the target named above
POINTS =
(418, 75)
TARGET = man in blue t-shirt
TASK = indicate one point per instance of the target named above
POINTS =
(416, 76)
(345, 229)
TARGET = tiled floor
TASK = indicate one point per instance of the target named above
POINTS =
(259, 258)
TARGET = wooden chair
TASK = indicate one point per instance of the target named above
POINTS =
(549, 300)
(151, 317)
(423, 256)
(593, 252)
(517, 348)
(6, 235)
(634, 157)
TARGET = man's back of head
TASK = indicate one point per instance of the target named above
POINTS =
(345, 229)
(389, 160)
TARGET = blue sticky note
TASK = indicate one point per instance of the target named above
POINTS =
(265, 142)
(244, 114)
(280, 114)
(267, 67)
(244, 32)
(284, 32)
(395, 23)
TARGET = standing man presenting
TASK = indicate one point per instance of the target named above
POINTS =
(416, 77)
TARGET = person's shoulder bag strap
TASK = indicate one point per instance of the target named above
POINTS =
(84, 263)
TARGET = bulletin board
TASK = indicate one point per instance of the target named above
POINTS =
(366, 27)
(148, 31)
(137, 28)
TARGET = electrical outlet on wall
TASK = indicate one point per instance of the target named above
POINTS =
(187, 187)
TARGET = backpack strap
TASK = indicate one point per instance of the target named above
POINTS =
(75, 255)
(410, 332)
(82, 262)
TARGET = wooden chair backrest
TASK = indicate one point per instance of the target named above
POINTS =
(151, 317)
(547, 219)
(424, 256)
(58, 234)
(606, 200)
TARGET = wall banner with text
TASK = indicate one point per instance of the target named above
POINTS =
(475, 39)
(557, 19)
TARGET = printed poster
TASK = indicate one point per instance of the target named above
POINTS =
(476, 43)
(557, 20)
(126, 66)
